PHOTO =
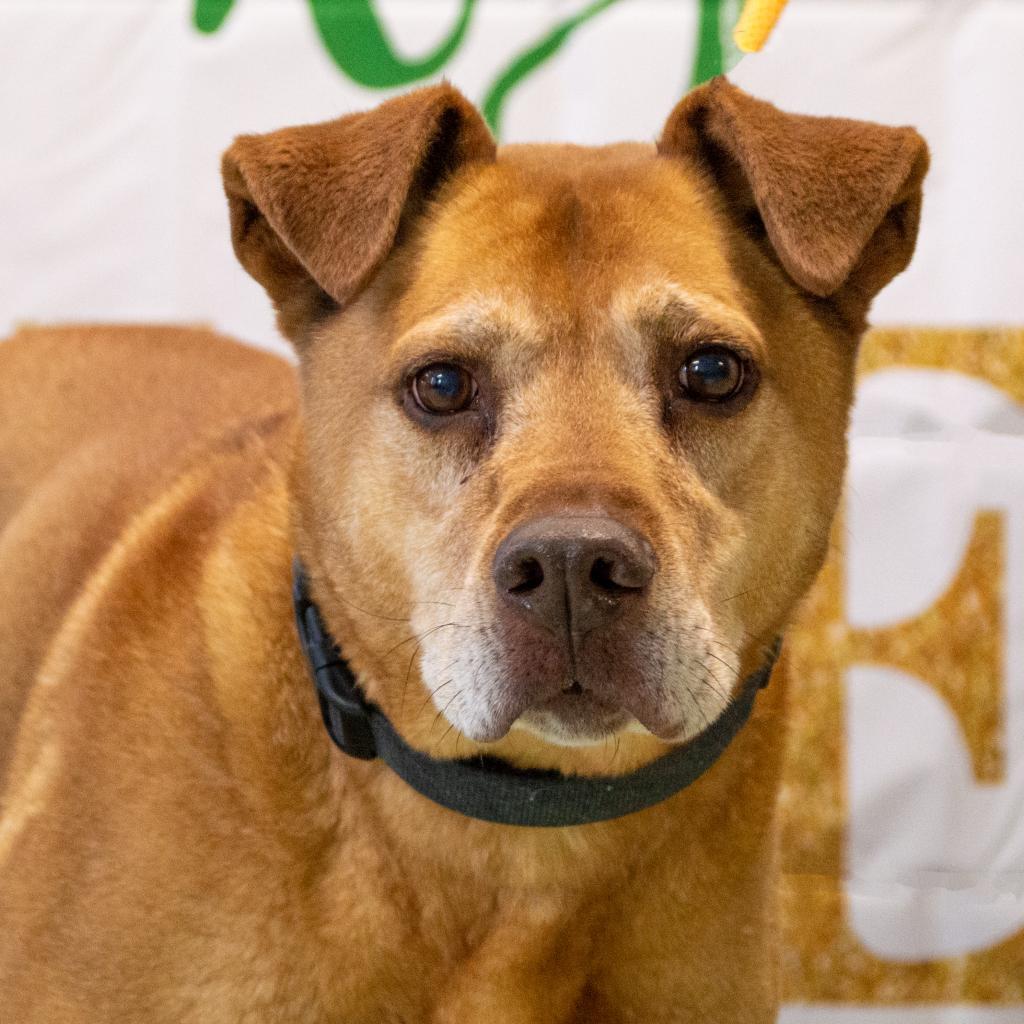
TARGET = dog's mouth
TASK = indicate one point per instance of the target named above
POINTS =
(655, 677)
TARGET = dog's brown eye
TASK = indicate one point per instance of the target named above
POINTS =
(711, 374)
(443, 389)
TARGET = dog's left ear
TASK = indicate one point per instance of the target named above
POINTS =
(840, 200)
(316, 209)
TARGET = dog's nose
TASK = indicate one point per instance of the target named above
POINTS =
(573, 573)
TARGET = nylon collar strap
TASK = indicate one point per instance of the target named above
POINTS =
(486, 787)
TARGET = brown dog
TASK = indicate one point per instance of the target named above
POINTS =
(562, 455)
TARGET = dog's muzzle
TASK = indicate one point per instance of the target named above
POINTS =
(489, 788)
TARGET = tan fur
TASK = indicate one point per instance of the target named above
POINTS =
(180, 841)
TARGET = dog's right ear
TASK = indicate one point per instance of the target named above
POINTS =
(316, 209)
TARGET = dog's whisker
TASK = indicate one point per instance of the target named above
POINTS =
(412, 658)
(444, 710)
(446, 682)
(365, 611)
(696, 706)
(764, 648)
(444, 736)
(742, 593)
(419, 637)
(708, 680)
(436, 690)
(731, 668)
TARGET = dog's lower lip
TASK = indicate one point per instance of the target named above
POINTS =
(579, 710)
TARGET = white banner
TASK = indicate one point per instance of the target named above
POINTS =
(905, 805)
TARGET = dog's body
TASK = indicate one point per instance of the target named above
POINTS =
(245, 873)
(180, 841)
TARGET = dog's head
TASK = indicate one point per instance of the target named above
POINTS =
(574, 418)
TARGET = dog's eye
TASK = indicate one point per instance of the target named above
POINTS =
(443, 388)
(711, 374)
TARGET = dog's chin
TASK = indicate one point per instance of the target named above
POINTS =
(574, 720)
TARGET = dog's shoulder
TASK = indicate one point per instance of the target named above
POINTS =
(108, 567)
(99, 427)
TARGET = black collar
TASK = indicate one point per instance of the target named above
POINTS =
(486, 787)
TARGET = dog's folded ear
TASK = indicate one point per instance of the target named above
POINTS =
(316, 209)
(839, 200)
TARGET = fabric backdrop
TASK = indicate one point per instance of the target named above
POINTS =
(904, 805)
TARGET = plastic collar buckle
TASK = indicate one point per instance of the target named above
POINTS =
(344, 711)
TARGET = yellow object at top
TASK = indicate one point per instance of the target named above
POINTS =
(756, 23)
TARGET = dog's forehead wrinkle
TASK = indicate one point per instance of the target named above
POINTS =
(478, 315)
(664, 303)
(500, 333)
(591, 239)
(484, 326)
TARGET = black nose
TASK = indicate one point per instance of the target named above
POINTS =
(573, 573)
